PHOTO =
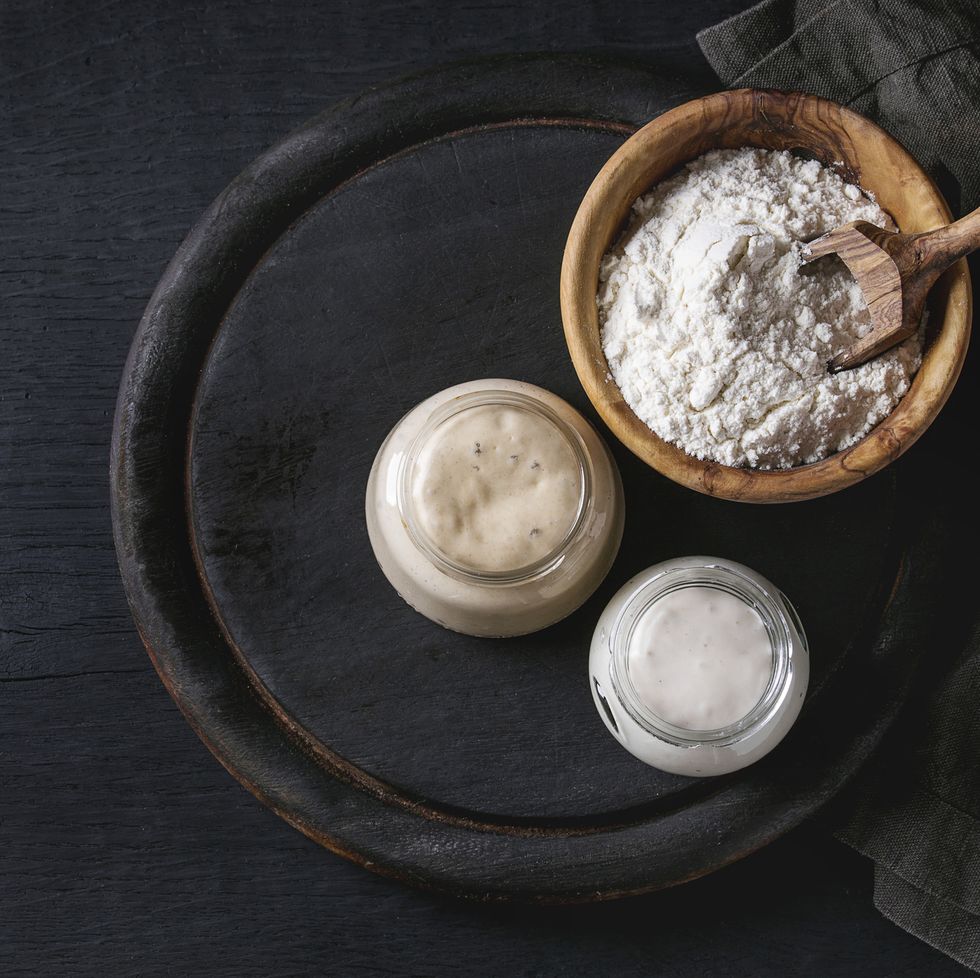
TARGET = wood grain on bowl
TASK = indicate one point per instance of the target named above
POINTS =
(864, 154)
(896, 272)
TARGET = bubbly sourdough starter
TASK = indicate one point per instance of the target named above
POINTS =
(494, 508)
(496, 488)
(700, 658)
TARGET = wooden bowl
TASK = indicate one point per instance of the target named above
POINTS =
(838, 137)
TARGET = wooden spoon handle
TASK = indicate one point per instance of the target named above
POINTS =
(937, 250)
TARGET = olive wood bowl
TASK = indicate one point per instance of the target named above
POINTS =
(815, 127)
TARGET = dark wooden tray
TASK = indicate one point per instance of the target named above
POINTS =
(407, 240)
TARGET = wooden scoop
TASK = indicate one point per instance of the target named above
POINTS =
(895, 272)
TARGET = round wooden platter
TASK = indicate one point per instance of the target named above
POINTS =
(404, 241)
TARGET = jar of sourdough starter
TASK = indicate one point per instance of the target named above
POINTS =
(494, 508)
(699, 666)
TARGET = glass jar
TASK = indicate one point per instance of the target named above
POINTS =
(515, 589)
(677, 749)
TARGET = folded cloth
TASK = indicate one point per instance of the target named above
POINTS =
(911, 65)
(914, 67)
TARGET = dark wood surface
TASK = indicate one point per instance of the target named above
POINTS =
(126, 849)
(392, 247)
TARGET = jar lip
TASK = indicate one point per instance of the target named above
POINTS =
(452, 408)
(784, 631)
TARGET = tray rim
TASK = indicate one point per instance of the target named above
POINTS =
(219, 240)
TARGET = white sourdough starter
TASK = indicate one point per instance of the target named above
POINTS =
(700, 658)
(715, 334)
(698, 665)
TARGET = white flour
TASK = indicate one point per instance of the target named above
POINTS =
(717, 337)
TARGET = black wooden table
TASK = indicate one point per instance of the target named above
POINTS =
(125, 848)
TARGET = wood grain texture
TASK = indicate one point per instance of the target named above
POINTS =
(896, 271)
(402, 243)
(125, 849)
(437, 259)
(866, 155)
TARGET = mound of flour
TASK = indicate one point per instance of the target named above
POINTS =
(715, 334)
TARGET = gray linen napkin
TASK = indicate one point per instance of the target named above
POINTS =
(914, 67)
(911, 65)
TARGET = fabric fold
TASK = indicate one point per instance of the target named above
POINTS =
(913, 66)
(938, 922)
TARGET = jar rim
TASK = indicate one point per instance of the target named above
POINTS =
(780, 620)
(445, 412)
